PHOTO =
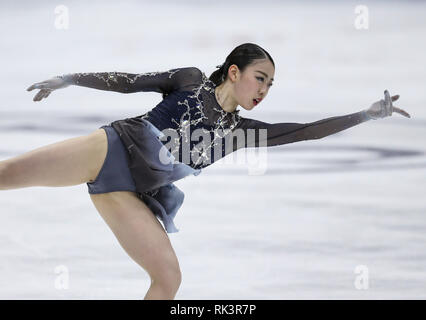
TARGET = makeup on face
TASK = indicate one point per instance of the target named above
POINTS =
(257, 100)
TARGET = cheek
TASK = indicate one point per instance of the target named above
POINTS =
(246, 90)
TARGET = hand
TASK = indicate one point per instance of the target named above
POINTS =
(48, 86)
(384, 108)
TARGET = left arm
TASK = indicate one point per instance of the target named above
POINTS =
(283, 133)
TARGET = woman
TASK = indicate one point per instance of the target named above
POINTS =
(129, 160)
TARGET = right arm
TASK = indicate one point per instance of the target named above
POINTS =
(161, 82)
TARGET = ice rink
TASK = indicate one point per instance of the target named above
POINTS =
(321, 216)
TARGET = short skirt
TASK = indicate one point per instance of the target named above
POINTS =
(114, 174)
(138, 169)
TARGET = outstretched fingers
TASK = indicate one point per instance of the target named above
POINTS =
(388, 103)
(391, 108)
(38, 85)
(402, 112)
(43, 93)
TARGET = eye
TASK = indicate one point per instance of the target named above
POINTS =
(263, 79)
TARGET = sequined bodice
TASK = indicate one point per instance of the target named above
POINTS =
(189, 111)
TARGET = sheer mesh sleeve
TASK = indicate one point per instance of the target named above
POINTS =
(283, 133)
(161, 82)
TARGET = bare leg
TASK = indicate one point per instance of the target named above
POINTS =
(79, 160)
(66, 163)
(143, 238)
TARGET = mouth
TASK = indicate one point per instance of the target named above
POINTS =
(256, 101)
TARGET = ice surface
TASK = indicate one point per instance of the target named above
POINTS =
(297, 231)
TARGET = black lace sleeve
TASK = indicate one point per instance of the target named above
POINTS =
(283, 133)
(161, 82)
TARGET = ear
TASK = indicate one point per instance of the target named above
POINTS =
(233, 72)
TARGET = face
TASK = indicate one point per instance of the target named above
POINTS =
(253, 83)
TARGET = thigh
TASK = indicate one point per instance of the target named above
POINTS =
(139, 232)
(65, 163)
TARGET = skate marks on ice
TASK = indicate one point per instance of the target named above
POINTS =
(49, 122)
(338, 158)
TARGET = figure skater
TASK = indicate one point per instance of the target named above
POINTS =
(130, 168)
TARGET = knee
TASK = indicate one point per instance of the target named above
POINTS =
(169, 280)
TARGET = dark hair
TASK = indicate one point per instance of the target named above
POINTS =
(242, 56)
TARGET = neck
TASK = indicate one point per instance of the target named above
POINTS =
(224, 97)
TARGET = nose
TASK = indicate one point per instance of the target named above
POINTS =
(263, 91)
